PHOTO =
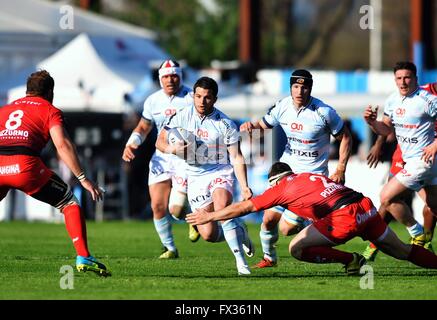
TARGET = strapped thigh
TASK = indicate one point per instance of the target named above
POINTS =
(55, 192)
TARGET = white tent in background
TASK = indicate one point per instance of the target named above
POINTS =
(82, 81)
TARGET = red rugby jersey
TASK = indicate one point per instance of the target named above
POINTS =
(308, 195)
(26, 123)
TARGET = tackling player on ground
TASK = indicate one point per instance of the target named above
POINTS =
(338, 213)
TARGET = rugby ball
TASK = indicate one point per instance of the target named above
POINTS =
(180, 136)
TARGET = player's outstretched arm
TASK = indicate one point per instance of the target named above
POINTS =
(237, 209)
(139, 134)
(67, 152)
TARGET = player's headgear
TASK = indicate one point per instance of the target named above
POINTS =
(278, 171)
(169, 67)
(301, 76)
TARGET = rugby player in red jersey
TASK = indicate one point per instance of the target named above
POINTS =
(338, 213)
(26, 125)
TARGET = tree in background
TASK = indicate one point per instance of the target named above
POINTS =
(314, 34)
(187, 29)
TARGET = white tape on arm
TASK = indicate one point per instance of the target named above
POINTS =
(136, 139)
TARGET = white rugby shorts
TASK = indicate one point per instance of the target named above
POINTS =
(164, 167)
(201, 187)
(417, 174)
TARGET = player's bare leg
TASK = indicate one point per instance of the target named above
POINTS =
(391, 245)
(429, 195)
(392, 197)
(176, 206)
(159, 195)
(212, 231)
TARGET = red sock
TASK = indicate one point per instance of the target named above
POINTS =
(422, 257)
(325, 255)
(76, 228)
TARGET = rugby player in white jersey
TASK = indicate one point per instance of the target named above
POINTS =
(213, 157)
(308, 124)
(411, 113)
(167, 176)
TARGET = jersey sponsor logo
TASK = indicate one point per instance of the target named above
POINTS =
(308, 154)
(11, 169)
(363, 217)
(27, 102)
(399, 164)
(217, 181)
(303, 141)
(169, 112)
(405, 173)
(406, 125)
(199, 198)
(14, 133)
(402, 139)
(400, 112)
(202, 133)
(294, 126)
(180, 181)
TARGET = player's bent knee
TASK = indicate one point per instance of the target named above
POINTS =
(295, 251)
(72, 202)
(270, 224)
(176, 211)
(176, 199)
(159, 210)
(288, 229)
(56, 193)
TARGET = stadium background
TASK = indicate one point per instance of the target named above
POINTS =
(104, 56)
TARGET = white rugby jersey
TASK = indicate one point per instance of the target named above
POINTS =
(213, 134)
(159, 107)
(413, 119)
(308, 132)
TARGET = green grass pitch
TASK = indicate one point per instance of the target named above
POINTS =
(32, 254)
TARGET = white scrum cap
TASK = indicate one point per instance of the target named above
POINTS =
(169, 67)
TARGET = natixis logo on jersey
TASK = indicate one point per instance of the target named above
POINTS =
(199, 198)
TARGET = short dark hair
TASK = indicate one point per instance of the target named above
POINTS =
(405, 65)
(277, 168)
(207, 83)
(40, 83)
